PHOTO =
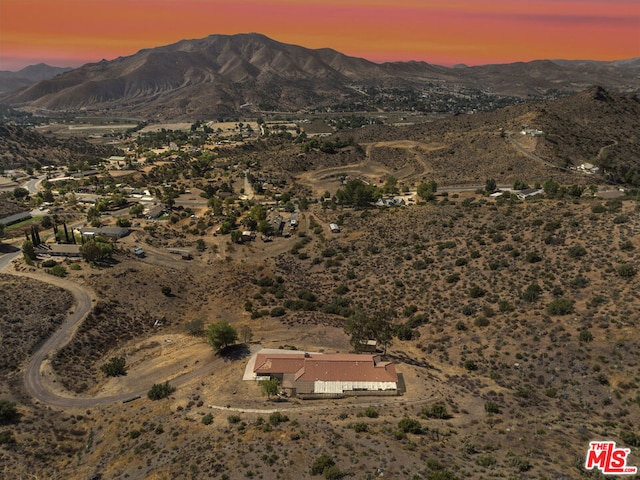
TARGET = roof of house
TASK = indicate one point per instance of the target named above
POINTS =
(106, 231)
(59, 249)
(327, 367)
(278, 363)
(347, 368)
(15, 218)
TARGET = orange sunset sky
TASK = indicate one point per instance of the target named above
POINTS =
(73, 32)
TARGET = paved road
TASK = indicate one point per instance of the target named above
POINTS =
(37, 382)
(33, 185)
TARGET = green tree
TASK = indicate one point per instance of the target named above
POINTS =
(28, 250)
(490, 185)
(20, 193)
(410, 425)
(361, 327)
(269, 387)
(427, 190)
(390, 186)
(136, 210)
(357, 193)
(115, 367)
(123, 222)
(550, 187)
(520, 185)
(221, 334)
(215, 204)
(95, 250)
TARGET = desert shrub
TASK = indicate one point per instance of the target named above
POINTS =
(461, 326)
(585, 336)
(360, 427)
(321, 463)
(115, 367)
(560, 306)
(7, 438)
(630, 438)
(460, 262)
(491, 407)
(453, 278)
(599, 208)
(277, 312)
(232, 419)
(487, 461)
(159, 391)
(621, 219)
(49, 263)
(57, 270)
(306, 295)
(134, 433)
(520, 463)
(370, 412)
(481, 322)
(410, 425)
(166, 290)
(195, 327)
(333, 473)
(627, 245)
(468, 310)
(207, 419)
(533, 257)
(470, 365)
(437, 410)
(476, 291)
(532, 293)
(626, 270)
(265, 282)
(504, 306)
(8, 412)
(551, 392)
(577, 251)
(419, 265)
(341, 289)
(277, 417)
(579, 282)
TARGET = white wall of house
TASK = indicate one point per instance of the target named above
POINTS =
(339, 387)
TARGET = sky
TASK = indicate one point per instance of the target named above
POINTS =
(473, 32)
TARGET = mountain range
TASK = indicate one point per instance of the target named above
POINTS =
(222, 75)
(34, 73)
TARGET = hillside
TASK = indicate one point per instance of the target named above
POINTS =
(229, 74)
(26, 147)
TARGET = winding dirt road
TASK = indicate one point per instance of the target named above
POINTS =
(38, 380)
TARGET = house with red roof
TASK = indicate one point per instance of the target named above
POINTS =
(303, 373)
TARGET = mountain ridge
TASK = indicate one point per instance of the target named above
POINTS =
(218, 74)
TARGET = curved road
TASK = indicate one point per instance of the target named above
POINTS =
(36, 382)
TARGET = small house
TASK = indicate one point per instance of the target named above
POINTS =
(334, 228)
